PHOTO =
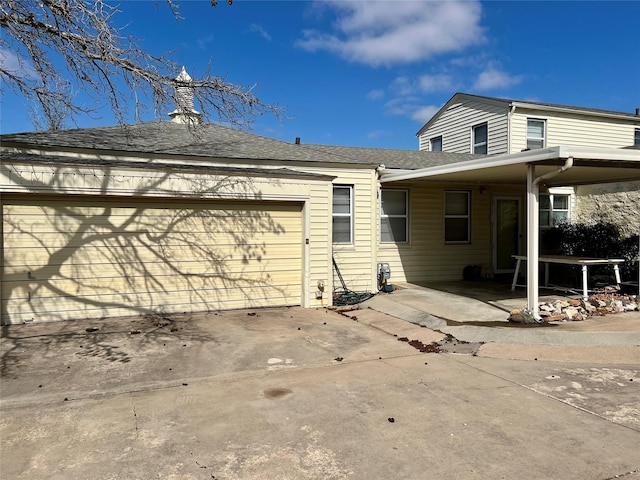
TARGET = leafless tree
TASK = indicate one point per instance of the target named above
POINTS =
(52, 48)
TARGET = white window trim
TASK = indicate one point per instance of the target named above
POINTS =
(473, 138)
(350, 214)
(467, 216)
(405, 216)
(544, 132)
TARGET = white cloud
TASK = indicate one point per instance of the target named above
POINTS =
(16, 66)
(204, 42)
(492, 78)
(375, 94)
(259, 29)
(424, 114)
(411, 107)
(435, 83)
(378, 134)
(387, 33)
(403, 86)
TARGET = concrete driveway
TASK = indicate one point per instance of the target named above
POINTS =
(304, 394)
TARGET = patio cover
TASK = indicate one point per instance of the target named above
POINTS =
(550, 167)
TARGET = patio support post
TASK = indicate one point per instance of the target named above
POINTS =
(532, 242)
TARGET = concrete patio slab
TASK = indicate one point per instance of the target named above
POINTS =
(300, 394)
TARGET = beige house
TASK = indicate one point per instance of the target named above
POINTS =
(169, 217)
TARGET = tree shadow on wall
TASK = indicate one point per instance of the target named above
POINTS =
(101, 257)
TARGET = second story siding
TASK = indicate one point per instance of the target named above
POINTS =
(456, 123)
(573, 129)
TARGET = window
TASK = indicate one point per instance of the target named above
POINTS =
(394, 216)
(342, 213)
(436, 144)
(535, 133)
(457, 217)
(636, 137)
(554, 209)
(480, 138)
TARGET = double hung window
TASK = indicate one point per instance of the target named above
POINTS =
(554, 209)
(342, 214)
(480, 135)
(535, 133)
(394, 216)
(457, 216)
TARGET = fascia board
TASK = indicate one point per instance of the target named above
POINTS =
(576, 111)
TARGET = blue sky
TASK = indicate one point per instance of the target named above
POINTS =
(368, 73)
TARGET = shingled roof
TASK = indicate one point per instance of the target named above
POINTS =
(212, 141)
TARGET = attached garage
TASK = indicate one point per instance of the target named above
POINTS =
(69, 257)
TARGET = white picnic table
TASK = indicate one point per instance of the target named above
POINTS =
(584, 262)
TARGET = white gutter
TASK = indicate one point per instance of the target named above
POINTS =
(533, 232)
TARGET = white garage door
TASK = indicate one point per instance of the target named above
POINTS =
(67, 259)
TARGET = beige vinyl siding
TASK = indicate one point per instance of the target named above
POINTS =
(427, 258)
(91, 258)
(455, 124)
(355, 261)
(572, 129)
(320, 243)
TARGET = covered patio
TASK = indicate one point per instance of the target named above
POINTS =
(560, 166)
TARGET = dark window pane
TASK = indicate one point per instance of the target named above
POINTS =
(545, 203)
(561, 202)
(394, 202)
(436, 144)
(393, 230)
(456, 230)
(341, 200)
(341, 229)
(480, 134)
(456, 203)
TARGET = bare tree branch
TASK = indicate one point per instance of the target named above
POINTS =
(50, 48)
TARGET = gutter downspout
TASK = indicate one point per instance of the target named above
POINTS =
(512, 109)
(533, 234)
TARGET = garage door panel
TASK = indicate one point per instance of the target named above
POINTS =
(97, 265)
(145, 257)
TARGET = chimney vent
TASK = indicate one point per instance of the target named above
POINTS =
(638, 112)
(185, 111)
(297, 140)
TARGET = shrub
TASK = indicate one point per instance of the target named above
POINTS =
(601, 239)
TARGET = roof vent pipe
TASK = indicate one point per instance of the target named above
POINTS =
(637, 112)
(297, 140)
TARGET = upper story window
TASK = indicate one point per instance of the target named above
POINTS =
(535, 133)
(342, 214)
(480, 138)
(394, 216)
(457, 216)
(636, 137)
(435, 144)
(554, 209)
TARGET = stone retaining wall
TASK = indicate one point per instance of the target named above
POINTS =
(617, 203)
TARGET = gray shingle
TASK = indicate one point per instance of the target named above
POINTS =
(218, 142)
